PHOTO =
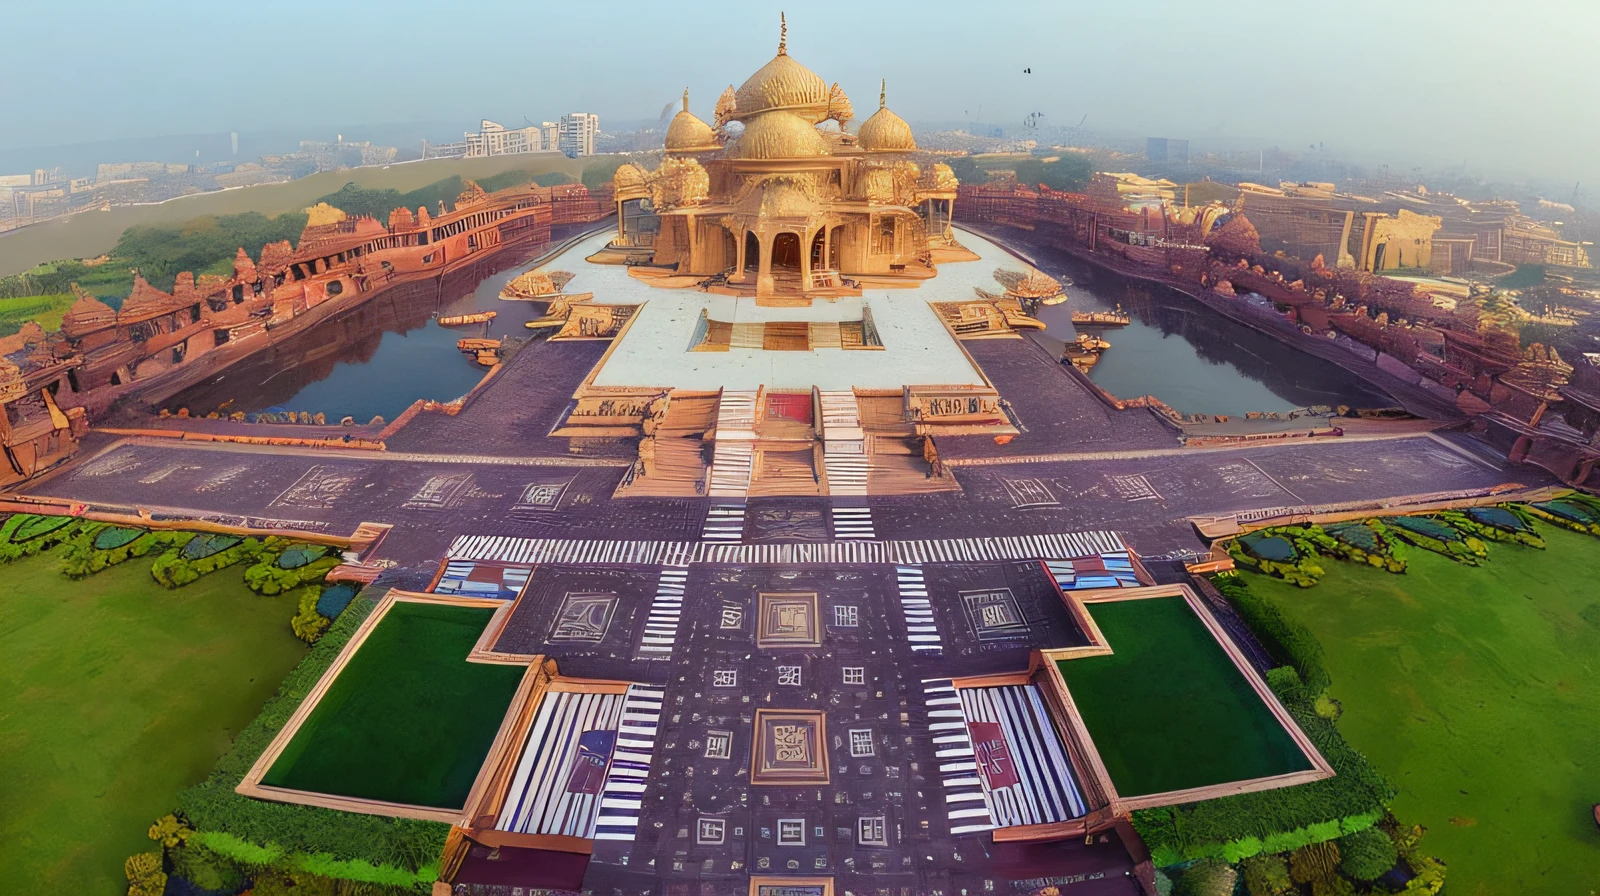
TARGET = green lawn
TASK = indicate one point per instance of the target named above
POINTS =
(1477, 691)
(115, 693)
(408, 720)
(1168, 710)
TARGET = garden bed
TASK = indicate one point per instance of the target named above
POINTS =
(1168, 674)
(407, 720)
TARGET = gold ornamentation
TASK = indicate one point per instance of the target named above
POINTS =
(727, 105)
(839, 108)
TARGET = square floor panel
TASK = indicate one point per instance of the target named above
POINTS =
(788, 620)
(789, 747)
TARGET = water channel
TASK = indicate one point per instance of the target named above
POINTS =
(1190, 357)
(378, 358)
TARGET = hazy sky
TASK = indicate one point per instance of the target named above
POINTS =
(1495, 84)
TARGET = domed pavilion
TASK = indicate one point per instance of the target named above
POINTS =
(780, 197)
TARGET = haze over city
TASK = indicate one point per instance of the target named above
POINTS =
(1497, 86)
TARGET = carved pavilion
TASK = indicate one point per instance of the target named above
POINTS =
(781, 198)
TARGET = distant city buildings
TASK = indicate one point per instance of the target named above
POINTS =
(578, 130)
(1166, 149)
(573, 135)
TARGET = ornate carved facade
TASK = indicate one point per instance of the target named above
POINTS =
(781, 199)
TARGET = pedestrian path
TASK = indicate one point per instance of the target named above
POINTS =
(921, 630)
(1055, 546)
(724, 523)
(666, 611)
(622, 798)
(965, 806)
(853, 523)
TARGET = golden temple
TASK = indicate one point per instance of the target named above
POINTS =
(780, 199)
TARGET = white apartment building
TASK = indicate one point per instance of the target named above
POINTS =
(578, 131)
(494, 139)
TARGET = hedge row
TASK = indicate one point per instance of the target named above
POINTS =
(1288, 641)
(1236, 827)
(324, 841)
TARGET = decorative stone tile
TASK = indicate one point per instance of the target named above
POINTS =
(789, 747)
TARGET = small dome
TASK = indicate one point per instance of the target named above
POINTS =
(780, 135)
(629, 176)
(885, 131)
(687, 133)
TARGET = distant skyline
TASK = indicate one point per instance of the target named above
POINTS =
(1504, 88)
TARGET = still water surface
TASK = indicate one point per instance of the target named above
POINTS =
(377, 359)
(1188, 356)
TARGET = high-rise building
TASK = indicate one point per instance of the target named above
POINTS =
(578, 130)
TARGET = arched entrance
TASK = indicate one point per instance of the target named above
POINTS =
(786, 252)
(752, 252)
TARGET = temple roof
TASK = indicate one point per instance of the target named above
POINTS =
(687, 133)
(885, 131)
(783, 84)
(779, 135)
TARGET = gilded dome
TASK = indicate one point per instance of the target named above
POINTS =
(783, 84)
(885, 131)
(628, 178)
(687, 133)
(780, 135)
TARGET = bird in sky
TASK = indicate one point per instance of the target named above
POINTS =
(1027, 71)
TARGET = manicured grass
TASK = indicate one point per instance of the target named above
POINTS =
(408, 720)
(1168, 710)
(116, 693)
(1476, 690)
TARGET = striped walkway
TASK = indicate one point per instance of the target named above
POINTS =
(923, 633)
(661, 628)
(622, 800)
(724, 523)
(965, 805)
(681, 553)
(1026, 751)
(853, 523)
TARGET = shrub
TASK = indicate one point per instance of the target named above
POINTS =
(235, 826)
(1314, 862)
(307, 623)
(26, 534)
(305, 563)
(145, 877)
(1367, 855)
(1209, 877)
(206, 869)
(1267, 876)
(174, 568)
(170, 831)
(1285, 639)
(1428, 871)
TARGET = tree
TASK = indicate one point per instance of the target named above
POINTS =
(1367, 855)
(1208, 877)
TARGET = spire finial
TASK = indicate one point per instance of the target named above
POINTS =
(883, 92)
(783, 35)
(685, 99)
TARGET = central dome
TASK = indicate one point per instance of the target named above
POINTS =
(783, 84)
(780, 135)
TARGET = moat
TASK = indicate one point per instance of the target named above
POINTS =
(379, 358)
